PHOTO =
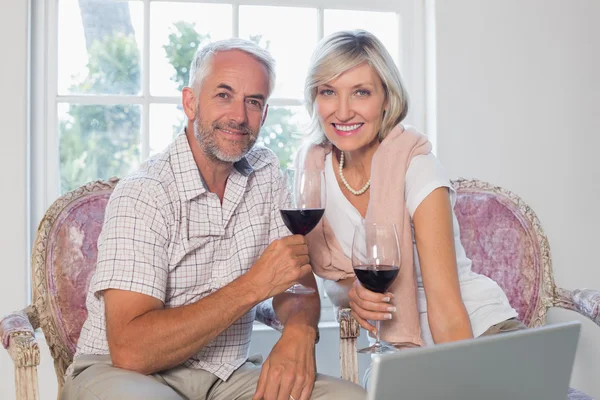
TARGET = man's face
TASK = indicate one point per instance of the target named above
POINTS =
(230, 106)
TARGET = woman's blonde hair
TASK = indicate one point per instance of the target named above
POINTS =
(342, 51)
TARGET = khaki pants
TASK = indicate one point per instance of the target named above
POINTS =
(509, 325)
(94, 377)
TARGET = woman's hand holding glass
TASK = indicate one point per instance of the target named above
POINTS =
(369, 306)
(376, 262)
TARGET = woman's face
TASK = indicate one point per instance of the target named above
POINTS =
(350, 107)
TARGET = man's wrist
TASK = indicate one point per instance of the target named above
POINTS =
(254, 290)
(244, 284)
(305, 331)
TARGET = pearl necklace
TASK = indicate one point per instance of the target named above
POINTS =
(345, 182)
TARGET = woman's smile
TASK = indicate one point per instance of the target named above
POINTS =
(347, 129)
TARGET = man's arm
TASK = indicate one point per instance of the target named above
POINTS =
(145, 337)
(290, 369)
(299, 312)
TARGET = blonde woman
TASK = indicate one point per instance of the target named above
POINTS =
(380, 170)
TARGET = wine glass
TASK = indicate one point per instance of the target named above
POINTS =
(376, 261)
(304, 208)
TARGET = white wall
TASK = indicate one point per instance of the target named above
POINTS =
(518, 104)
(13, 168)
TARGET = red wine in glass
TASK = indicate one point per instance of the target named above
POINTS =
(376, 278)
(376, 259)
(301, 221)
(304, 208)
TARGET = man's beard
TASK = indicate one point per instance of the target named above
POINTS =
(206, 137)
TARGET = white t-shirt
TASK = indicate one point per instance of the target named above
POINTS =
(484, 300)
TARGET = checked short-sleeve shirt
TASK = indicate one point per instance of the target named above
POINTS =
(165, 235)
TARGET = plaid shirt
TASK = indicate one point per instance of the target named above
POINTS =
(165, 235)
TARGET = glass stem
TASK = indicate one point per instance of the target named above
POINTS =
(378, 337)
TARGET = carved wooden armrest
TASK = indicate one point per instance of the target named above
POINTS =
(349, 327)
(24, 350)
(17, 332)
(18, 324)
(266, 314)
(349, 332)
(18, 337)
(585, 301)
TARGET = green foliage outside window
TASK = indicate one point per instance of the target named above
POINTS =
(98, 141)
(101, 141)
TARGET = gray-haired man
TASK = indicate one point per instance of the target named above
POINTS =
(191, 243)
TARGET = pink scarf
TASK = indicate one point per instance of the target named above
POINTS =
(386, 204)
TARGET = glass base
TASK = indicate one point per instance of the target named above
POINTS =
(381, 348)
(297, 288)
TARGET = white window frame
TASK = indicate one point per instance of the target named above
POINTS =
(44, 154)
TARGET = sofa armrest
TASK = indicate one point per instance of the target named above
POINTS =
(349, 327)
(17, 324)
(18, 337)
(265, 313)
(24, 350)
(585, 301)
(349, 333)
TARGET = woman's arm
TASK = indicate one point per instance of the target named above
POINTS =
(337, 291)
(434, 235)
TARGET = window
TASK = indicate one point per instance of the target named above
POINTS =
(107, 75)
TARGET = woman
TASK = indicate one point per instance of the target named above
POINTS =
(378, 169)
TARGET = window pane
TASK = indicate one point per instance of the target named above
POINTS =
(176, 32)
(97, 142)
(166, 121)
(384, 25)
(290, 34)
(99, 47)
(283, 131)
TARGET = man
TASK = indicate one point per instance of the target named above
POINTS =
(191, 243)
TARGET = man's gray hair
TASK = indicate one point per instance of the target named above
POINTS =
(202, 61)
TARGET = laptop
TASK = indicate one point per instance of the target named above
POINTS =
(532, 364)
